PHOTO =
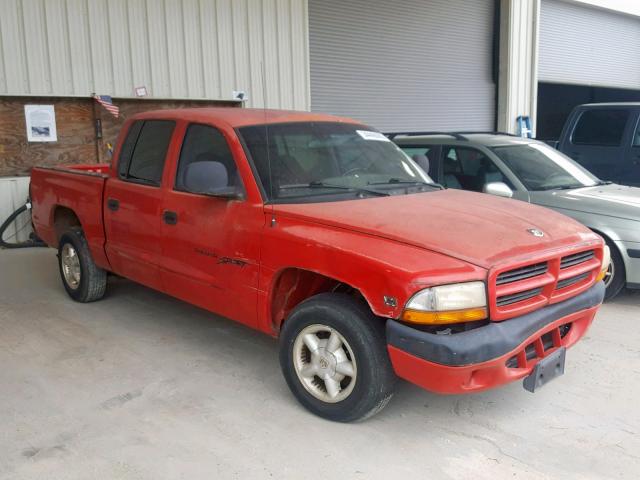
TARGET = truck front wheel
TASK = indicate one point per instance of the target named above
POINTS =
(83, 280)
(334, 358)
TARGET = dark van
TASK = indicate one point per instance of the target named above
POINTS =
(605, 139)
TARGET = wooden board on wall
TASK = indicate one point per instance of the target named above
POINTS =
(75, 122)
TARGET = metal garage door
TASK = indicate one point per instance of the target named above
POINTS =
(404, 65)
(588, 46)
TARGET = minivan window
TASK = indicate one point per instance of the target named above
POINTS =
(469, 169)
(540, 167)
(149, 153)
(604, 127)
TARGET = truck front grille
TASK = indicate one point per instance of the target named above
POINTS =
(520, 289)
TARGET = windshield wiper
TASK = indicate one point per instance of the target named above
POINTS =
(319, 184)
(397, 181)
(604, 182)
(564, 187)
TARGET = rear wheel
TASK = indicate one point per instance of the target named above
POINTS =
(615, 278)
(333, 356)
(83, 280)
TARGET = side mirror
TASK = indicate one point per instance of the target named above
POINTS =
(500, 189)
(210, 178)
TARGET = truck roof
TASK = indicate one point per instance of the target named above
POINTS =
(611, 104)
(240, 117)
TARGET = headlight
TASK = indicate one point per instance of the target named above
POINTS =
(606, 261)
(455, 303)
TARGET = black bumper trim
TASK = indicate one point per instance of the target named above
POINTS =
(633, 253)
(490, 341)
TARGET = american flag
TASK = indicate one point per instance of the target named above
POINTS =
(107, 103)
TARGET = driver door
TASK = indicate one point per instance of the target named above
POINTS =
(210, 239)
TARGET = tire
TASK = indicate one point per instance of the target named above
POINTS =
(365, 387)
(83, 280)
(616, 277)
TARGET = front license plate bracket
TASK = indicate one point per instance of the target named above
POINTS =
(547, 369)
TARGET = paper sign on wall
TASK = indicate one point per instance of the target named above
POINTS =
(41, 123)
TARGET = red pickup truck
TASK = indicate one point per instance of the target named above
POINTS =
(320, 231)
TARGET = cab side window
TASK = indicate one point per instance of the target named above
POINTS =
(206, 164)
(469, 169)
(144, 151)
(600, 126)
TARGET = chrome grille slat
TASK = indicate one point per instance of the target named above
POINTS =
(576, 259)
(522, 273)
(572, 280)
(518, 297)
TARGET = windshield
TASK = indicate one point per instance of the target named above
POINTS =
(331, 160)
(540, 167)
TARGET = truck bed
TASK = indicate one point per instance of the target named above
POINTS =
(58, 192)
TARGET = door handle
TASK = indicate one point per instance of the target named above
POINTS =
(113, 204)
(169, 217)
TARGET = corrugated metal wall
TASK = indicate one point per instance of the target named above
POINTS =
(404, 65)
(179, 49)
(588, 46)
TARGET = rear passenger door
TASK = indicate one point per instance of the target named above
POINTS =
(597, 142)
(133, 200)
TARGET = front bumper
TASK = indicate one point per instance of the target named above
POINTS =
(492, 355)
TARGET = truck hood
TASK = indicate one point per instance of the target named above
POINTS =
(477, 228)
(610, 200)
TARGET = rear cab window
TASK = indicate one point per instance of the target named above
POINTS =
(144, 151)
(601, 127)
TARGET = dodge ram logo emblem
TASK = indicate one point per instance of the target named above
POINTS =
(535, 232)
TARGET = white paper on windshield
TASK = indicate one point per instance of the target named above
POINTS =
(369, 135)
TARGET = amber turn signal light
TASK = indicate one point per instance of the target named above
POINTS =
(443, 318)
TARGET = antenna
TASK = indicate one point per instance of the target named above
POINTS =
(266, 136)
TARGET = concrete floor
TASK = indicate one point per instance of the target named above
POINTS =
(142, 386)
